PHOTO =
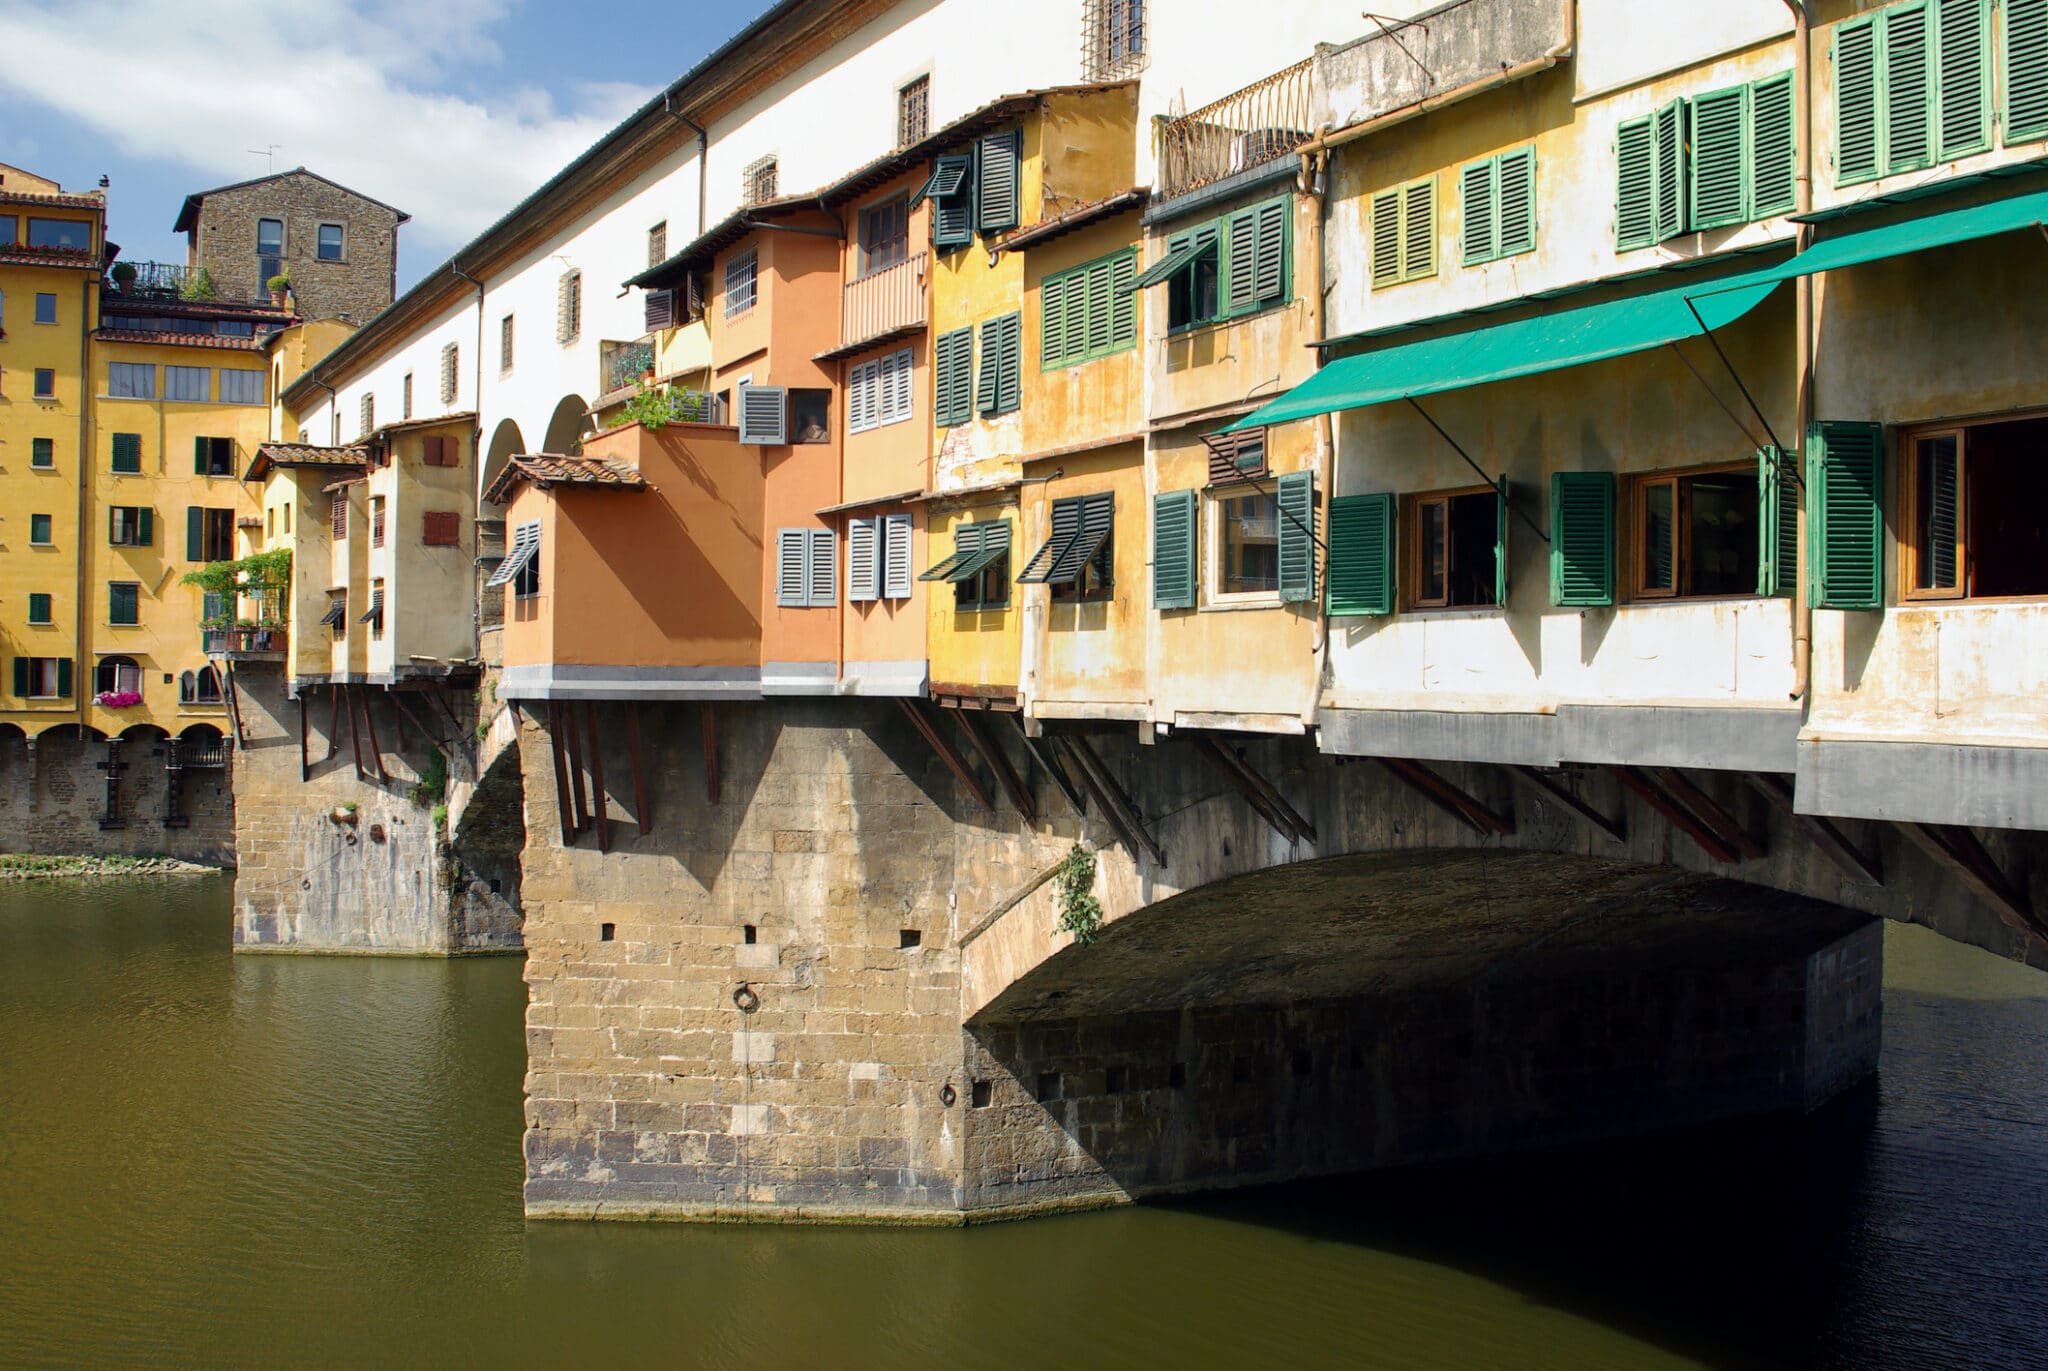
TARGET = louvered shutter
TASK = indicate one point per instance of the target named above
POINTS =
(1270, 255)
(128, 452)
(862, 562)
(145, 526)
(1500, 542)
(1476, 196)
(1418, 230)
(1777, 553)
(1908, 88)
(562, 308)
(1010, 363)
(1052, 319)
(199, 450)
(763, 416)
(1362, 554)
(791, 579)
(1077, 319)
(1856, 101)
(195, 533)
(1386, 236)
(1962, 77)
(942, 380)
(21, 678)
(1173, 549)
(1845, 514)
(824, 567)
(900, 403)
(1241, 233)
(1066, 526)
(63, 678)
(953, 214)
(859, 393)
(1635, 185)
(1672, 210)
(1123, 300)
(1938, 554)
(1582, 538)
(2026, 70)
(1298, 536)
(449, 356)
(896, 556)
(998, 190)
(962, 369)
(1515, 202)
(986, 397)
(658, 311)
(1100, 326)
(1098, 531)
(1720, 174)
(1772, 154)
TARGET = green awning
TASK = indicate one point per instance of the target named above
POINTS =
(1523, 347)
(1173, 263)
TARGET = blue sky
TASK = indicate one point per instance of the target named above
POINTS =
(452, 110)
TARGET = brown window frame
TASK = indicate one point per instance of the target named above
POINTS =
(1639, 484)
(1411, 547)
(337, 514)
(1908, 531)
(376, 521)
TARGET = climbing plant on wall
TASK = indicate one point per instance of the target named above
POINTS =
(1074, 888)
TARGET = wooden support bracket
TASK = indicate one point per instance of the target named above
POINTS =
(1958, 849)
(979, 729)
(234, 700)
(600, 807)
(1453, 801)
(1233, 771)
(641, 808)
(355, 740)
(305, 762)
(1047, 758)
(1726, 826)
(334, 720)
(1123, 815)
(1555, 789)
(376, 748)
(1645, 789)
(948, 754)
(561, 768)
(405, 712)
(1271, 790)
(575, 745)
(1863, 865)
(710, 736)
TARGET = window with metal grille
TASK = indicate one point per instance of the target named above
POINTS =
(450, 355)
(1113, 38)
(368, 415)
(914, 112)
(759, 181)
(405, 397)
(569, 307)
(657, 244)
(377, 521)
(504, 345)
(740, 280)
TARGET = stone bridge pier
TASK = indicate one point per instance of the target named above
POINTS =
(801, 960)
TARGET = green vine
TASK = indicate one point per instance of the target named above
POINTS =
(658, 408)
(252, 575)
(1080, 911)
(433, 781)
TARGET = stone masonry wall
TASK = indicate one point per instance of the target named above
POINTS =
(358, 286)
(54, 804)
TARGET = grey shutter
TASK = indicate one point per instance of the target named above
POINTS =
(824, 567)
(1173, 549)
(1297, 536)
(791, 580)
(764, 413)
(862, 562)
(896, 557)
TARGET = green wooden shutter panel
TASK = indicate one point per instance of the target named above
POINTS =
(1582, 538)
(1297, 536)
(1173, 550)
(2026, 70)
(1772, 153)
(1962, 77)
(1908, 89)
(963, 375)
(1097, 280)
(1241, 233)
(1270, 254)
(128, 452)
(195, 537)
(21, 677)
(1856, 100)
(145, 526)
(1515, 202)
(1719, 166)
(1671, 197)
(1500, 542)
(1845, 514)
(199, 456)
(998, 196)
(1418, 230)
(1362, 554)
(1386, 235)
(1123, 301)
(1009, 363)
(991, 358)
(1635, 187)
(953, 215)
(1777, 554)
(1476, 193)
(1051, 322)
(63, 678)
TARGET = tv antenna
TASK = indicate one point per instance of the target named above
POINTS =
(268, 152)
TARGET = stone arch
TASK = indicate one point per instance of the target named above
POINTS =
(506, 443)
(117, 673)
(200, 733)
(566, 426)
(142, 734)
(199, 686)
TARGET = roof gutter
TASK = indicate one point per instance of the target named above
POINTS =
(703, 151)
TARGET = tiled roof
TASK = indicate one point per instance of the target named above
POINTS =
(1045, 230)
(17, 255)
(546, 469)
(342, 484)
(58, 200)
(270, 455)
(188, 216)
(165, 338)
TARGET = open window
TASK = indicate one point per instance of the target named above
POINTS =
(1976, 512)
(117, 676)
(1695, 534)
(1078, 561)
(336, 617)
(950, 188)
(1192, 277)
(978, 567)
(1457, 549)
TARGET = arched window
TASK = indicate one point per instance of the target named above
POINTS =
(117, 675)
(199, 688)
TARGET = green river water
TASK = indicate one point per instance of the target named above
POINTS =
(219, 1161)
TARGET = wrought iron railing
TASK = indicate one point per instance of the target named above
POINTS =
(1266, 120)
(623, 364)
(198, 754)
(883, 302)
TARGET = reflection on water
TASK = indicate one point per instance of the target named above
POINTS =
(262, 1161)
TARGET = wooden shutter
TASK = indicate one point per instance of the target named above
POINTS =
(1052, 322)
(1010, 363)
(1635, 184)
(861, 561)
(942, 380)
(63, 678)
(1173, 549)
(1362, 554)
(1269, 253)
(1962, 77)
(1236, 456)
(441, 528)
(200, 448)
(953, 214)
(1908, 87)
(1096, 280)
(1845, 514)
(1670, 137)
(1240, 237)
(658, 311)
(998, 194)
(1298, 536)
(1515, 202)
(823, 567)
(1720, 171)
(1500, 542)
(21, 665)
(791, 579)
(1386, 236)
(896, 557)
(2026, 70)
(764, 415)
(985, 396)
(195, 533)
(1777, 553)
(1772, 152)
(1418, 230)
(1123, 300)
(1856, 101)
(145, 526)
(1476, 186)
(1582, 538)
(1075, 325)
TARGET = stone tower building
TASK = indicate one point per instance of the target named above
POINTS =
(340, 248)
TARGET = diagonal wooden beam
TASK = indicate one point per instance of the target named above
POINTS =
(1643, 788)
(999, 762)
(1219, 757)
(641, 807)
(575, 746)
(405, 712)
(1862, 865)
(1048, 759)
(1266, 786)
(355, 740)
(709, 733)
(948, 754)
(1957, 848)
(1556, 790)
(334, 694)
(1449, 798)
(1726, 826)
(305, 762)
(1062, 746)
(1112, 796)
(376, 748)
(599, 805)
(561, 769)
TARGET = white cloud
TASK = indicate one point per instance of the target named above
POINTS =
(347, 89)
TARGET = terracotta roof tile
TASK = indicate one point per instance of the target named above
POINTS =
(59, 199)
(166, 338)
(546, 469)
(269, 455)
(1045, 230)
(16, 255)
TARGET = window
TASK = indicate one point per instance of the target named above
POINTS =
(1498, 206)
(521, 567)
(329, 247)
(189, 384)
(1695, 534)
(241, 387)
(213, 456)
(1113, 38)
(1089, 311)
(810, 414)
(376, 521)
(1709, 161)
(1000, 386)
(657, 245)
(450, 354)
(9, 227)
(569, 307)
(39, 613)
(953, 378)
(441, 528)
(131, 381)
(1078, 560)
(117, 676)
(1457, 541)
(42, 678)
(374, 615)
(1974, 521)
(46, 383)
(209, 534)
(46, 307)
(884, 235)
(270, 238)
(65, 235)
(878, 558)
(130, 525)
(201, 687)
(997, 205)
(124, 603)
(951, 191)
(338, 514)
(1232, 266)
(127, 459)
(367, 414)
(1236, 456)
(1913, 87)
(42, 453)
(878, 392)
(806, 568)
(39, 534)
(1245, 549)
(336, 618)
(914, 112)
(739, 283)
(979, 566)
(1404, 233)
(759, 181)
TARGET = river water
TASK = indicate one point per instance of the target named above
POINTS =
(216, 1161)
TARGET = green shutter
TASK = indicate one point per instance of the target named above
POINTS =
(1720, 163)
(1908, 87)
(1635, 184)
(1500, 542)
(1772, 154)
(985, 396)
(145, 526)
(1582, 538)
(128, 452)
(953, 214)
(1857, 91)
(1095, 280)
(39, 608)
(1962, 78)
(1123, 300)
(21, 678)
(1669, 143)
(953, 378)
(1777, 553)
(199, 449)
(1476, 190)
(1362, 554)
(1240, 237)
(1845, 514)
(1514, 202)
(1386, 236)
(1297, 536)
(195, 536)
(997, 196)
(63, 678)
(1009, 363)
(1051, 320)
(1269, 263)
(2026, 70)
(1173, 550)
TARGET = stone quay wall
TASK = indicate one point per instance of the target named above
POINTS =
(52, 800)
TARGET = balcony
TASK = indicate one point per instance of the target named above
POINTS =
(882, 305)
(254, 631)
(244, 643)
(621, 365)
(1263, 122)
(166, 283)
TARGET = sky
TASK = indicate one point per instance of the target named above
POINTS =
(451, 110)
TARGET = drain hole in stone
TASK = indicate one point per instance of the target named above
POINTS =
(1048, 1086)
(747, 934)
(981, 1094)
(1114, 1079)
(909, 937)
(1177, 1075)
(605, 932)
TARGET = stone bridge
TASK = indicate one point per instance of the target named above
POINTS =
(802, 959)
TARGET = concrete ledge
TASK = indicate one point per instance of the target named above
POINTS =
(799, 678)
(551, 681)
(1914, 782)
(1439, 735)
(688, 1212)
(884, 678)
(1708, 737)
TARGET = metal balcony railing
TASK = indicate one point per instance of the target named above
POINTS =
(623, 364)
(1265, 120)
(887, 300)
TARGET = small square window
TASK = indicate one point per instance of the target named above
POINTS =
(39, 610)
(46, 307)
(330, 242)
(124, 603)
(39, 530)
(46, 383)
(42, 453)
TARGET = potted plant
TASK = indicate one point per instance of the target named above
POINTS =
(198, 285)
(118, 699)
(124, 276)
(277, 286)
